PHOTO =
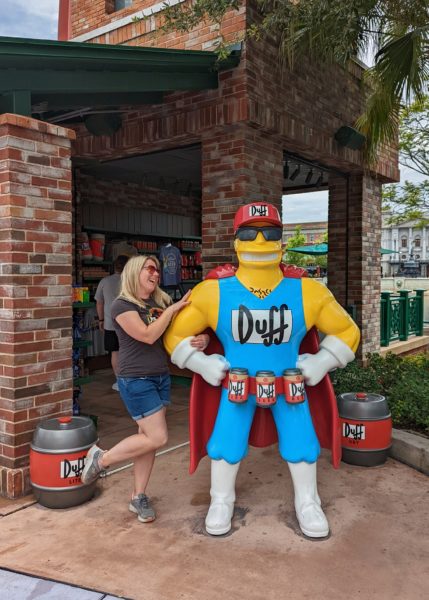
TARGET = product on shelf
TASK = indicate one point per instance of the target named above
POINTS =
(78, 364)
(94, 271)
(80, 294)
(83, 245)
(97, 242)
(145, 245)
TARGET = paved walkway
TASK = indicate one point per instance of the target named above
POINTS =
(15, 586)
(378, 548)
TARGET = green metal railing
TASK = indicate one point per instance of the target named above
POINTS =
(401, 315)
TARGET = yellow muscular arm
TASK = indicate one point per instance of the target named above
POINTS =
(322, 310)
(202, 312)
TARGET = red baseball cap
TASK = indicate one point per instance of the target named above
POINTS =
(257, 211)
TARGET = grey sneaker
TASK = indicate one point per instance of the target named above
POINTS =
(92, 469)
(143, 508)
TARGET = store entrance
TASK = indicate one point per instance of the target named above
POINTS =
(145, 204)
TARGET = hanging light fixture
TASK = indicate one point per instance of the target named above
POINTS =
(286, 170)
(319, 179)
(296, 172)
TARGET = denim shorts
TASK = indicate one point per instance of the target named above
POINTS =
(144, 396)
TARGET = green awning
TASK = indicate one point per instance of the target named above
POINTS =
(319, 249)
(315, 249)
(50, 79)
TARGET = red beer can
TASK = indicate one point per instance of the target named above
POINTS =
(293, 382)
(238, 385)
(265, 388)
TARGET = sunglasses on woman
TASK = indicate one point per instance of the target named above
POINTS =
(152, 270)
(248, 234)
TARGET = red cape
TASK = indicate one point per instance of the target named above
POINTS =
(204, 401)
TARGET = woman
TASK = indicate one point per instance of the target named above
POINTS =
(141, 314)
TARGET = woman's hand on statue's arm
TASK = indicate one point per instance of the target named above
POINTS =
(133, 325)
(201, 341)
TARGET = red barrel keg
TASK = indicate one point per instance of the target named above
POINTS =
(57, 459)
(366, 428)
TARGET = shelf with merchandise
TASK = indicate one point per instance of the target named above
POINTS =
(82, 343)
(190, 249)
(82, 305)
(77, 381)
(98, 278)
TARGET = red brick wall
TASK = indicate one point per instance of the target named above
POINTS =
(354, 258)
(305, 106)
(308, 105)
(87, 16)
(35, 292)
(102, 191)
(240, 165)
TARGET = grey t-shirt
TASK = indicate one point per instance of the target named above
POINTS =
(107, 291)
(137, 359)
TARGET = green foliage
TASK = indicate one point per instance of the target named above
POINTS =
(414, 136)
(293, 258)
(404, 382)
(408, 202)
(321, 260)
(304, 260)
(186, 16)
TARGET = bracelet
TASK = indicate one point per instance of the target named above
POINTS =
(100, 320)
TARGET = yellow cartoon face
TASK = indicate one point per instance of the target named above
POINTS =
(258, 244)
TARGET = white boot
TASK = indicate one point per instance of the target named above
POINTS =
(222, 492)
(309, 513)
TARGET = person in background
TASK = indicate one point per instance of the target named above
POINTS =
(141, 314)
(107, 291)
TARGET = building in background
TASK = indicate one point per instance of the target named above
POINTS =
(411, 249)
(313, 232)
(409, 245)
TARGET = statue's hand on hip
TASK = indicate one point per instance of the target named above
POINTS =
(313, 367)
(215, 368)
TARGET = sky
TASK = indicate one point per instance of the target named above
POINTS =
(29, 18)
(313, 206)
(39, 18)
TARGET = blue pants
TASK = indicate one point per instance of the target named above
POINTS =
(297, 439)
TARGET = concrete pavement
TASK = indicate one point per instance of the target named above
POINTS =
(378, 548)
(16, 586)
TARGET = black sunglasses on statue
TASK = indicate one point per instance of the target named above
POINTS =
(248, 234)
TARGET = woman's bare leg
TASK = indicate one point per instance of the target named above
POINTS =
(153, 435)
(143, 464)
(142, 470)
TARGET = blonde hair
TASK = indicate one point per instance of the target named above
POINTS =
(130, 282)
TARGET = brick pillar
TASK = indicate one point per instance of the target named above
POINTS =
(239, 165)
(35, 288)
(354, 260)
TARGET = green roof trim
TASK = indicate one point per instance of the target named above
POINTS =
(45, 76)
(14, 49)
